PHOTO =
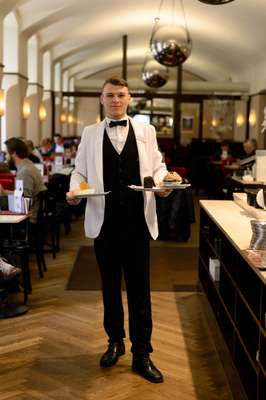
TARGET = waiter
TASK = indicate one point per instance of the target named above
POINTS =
(112, 155)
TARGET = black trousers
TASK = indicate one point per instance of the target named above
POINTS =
(124, 247)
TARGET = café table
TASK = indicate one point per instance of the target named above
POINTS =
(240, 183)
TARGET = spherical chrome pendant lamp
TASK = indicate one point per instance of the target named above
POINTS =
(154, 74)
(215, 2)
(171, 44)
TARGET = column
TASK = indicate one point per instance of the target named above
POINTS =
(46, 129)
(33, 124)
(240, 121)
(15, 86)
(256, 116)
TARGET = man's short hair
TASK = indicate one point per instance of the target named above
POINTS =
(116, 81)
(15, 145)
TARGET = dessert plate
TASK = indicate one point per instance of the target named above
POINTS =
(260, 199)
(160, 188)
(92, 194)
(175, 185)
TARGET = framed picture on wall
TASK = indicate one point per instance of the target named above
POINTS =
(187, 123)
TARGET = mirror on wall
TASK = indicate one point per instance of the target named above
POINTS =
(158, 112)
(189, 122)
(222, 118)
(218, 119)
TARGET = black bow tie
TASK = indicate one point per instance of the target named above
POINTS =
(123, 122)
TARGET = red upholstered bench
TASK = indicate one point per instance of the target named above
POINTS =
(7, 183)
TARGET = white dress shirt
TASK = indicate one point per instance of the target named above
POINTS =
(117, 134)
(89, 167)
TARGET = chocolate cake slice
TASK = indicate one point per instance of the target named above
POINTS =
(148, 182)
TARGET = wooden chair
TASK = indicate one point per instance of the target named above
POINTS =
(37, 232)
(16, 247)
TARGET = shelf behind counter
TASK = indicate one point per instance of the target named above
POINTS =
(237, 294)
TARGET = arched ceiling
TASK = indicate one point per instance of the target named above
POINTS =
(86, 35)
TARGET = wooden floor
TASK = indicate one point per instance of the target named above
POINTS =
(53, 351)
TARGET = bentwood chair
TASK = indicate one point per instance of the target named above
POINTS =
(15, 247)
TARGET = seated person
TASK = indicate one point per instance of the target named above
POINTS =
(31, 154)
(27, 172)
(34, 154)
(46, 148)
(223, 153)
(249, 148)
(58, 146)
(67, 155)
(8, 271)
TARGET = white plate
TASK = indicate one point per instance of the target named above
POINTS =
(85, 196)
(159, 188)
(260, 199)
(175, 185)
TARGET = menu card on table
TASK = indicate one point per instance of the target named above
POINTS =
(16, 202)
(58, 163)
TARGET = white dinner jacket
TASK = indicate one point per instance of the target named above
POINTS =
(89, 168)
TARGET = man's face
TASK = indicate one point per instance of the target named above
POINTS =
(115, 100)
(10, 156)
(248, 147)
(11, 160)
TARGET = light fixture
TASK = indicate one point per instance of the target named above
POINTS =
(26, 109)
(214, 122)
(155, 75)
(215, 2)
(2, 103)
(240, 120)
(252, 118)
(171, 44)
(42, 113)
(63, 117)
(70, 119)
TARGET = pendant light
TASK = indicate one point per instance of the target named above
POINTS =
(215, 2)
(154, 74)
(171, 44)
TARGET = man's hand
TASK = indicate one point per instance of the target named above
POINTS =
(170, 177)
(70, 196)
(164, 193)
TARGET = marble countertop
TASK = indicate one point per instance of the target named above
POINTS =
(233, 221)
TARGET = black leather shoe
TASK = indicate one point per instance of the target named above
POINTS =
(112, 354)
(145, 367)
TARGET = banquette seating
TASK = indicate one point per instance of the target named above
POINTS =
(7, 180)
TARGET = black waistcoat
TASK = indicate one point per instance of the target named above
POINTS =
(119, 171)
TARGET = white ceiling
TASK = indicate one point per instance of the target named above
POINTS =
(86, 35)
